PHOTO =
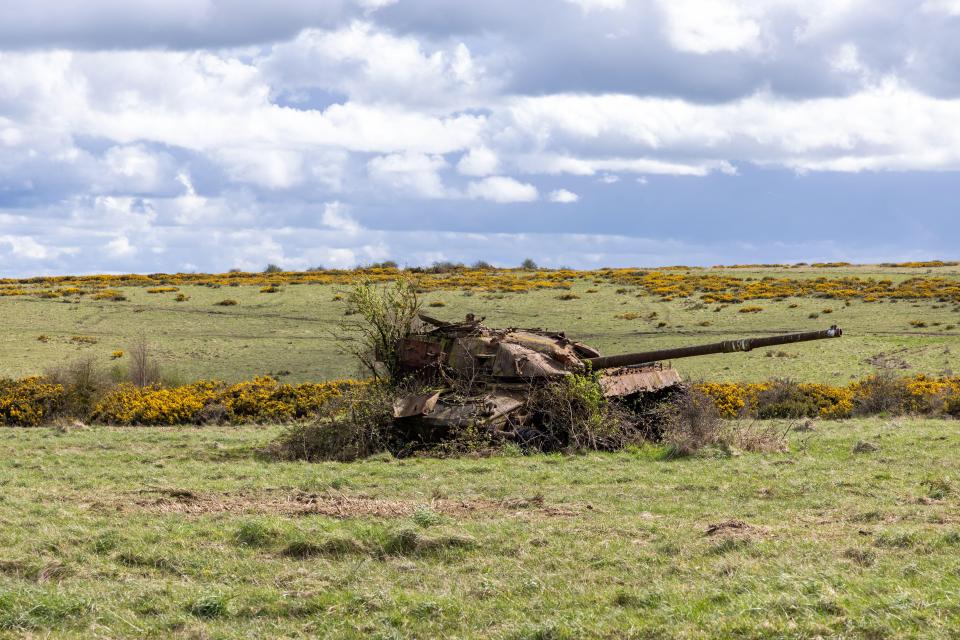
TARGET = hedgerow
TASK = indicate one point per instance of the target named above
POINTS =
(36, 400)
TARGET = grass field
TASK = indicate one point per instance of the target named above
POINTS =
(193, 532)
(143, 532)
(288, 334)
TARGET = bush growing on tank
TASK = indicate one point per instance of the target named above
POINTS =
(574, 415)
(378, 317)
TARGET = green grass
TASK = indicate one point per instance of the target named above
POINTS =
(144, 532)
(288, 334)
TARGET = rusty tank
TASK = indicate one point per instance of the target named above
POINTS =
(482, 377)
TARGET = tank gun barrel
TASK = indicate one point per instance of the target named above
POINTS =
(727, 346)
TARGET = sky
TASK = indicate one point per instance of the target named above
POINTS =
(204, 135)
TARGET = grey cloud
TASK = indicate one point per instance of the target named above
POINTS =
(173, 24)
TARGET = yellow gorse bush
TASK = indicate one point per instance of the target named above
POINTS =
(262, 399)
(732, 398)
(922, 394)
(34, 401)
(29, 402)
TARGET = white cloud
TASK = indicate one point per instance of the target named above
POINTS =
(554, 165)
(886, 126)
(563, 196)
(502, 189)
(27, 248)
(602, 5)
(136, 165)
(268, 168)
(478, 162)
(950, 7)
(373, 5)
(336, 216)
(707, 26)
(609, 178)
(847, 59)
(203, 102)
(120, 247)
(414, 173)
(371, 65)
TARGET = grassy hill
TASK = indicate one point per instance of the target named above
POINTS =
(288, 333)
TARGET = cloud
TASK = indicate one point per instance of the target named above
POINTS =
(603, 5)
(269, 168)
(708, 26)
(950, 7)
(414, 173)
(120, 247)
(27, 248)
(232, 133)
(502, 189)
(373, 66)
(478, 162)
(335, 216)
(178, 24)
(886, 127)
(563, 196)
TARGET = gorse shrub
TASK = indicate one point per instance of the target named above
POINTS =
(780, 399)
(884, 392)
(785, 399)
(109, 294)
(82, 390)
(29, 402)
(259, 400)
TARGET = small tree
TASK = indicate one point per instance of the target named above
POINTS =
(528, 265)
(272, 268)
(377, 318)
(144, 369)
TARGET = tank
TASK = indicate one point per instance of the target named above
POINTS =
(482, 377)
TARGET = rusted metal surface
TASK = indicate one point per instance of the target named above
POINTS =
(415, 405)
(727, 346)
(418, 354)
(626, 382)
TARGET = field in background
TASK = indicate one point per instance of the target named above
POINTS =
(287, 333)
(150, 532)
